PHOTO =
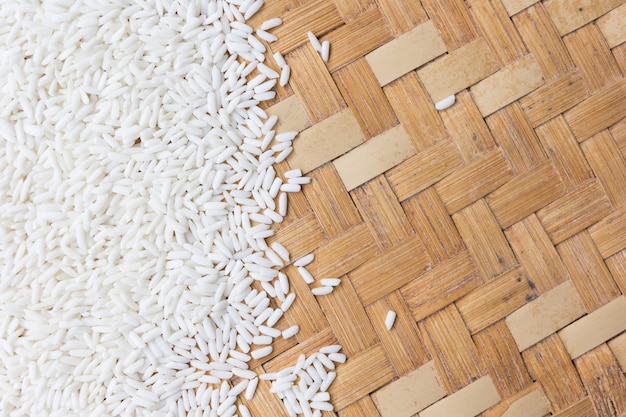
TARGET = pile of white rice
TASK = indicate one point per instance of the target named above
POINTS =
(136, 194)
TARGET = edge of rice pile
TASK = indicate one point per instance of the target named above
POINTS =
(137, 194)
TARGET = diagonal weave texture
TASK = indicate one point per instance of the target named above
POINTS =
(495, 229)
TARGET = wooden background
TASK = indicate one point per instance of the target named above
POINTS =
(496, 229)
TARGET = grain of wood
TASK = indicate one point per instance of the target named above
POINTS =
(485, 240)
(575, 211)
(342, 306)
(560, 146)
(361, 375)
(609, 166)
(592, 57)
(467, 128)
(441, 286)
(506, 367)
(495, 300)
(558, 376)
(582, 408)
(312, 84)
(519, 142)
(366, 99)
(403, 344)
(582, 260)
(382, 212)
(424, 169)
(357, 38)
(363, 407)
(525, 194)
(416, 111)
(543, 41)
(498, 30)
(453, 20)
(554, 98)
(598, 112)
(456, 357)
(330, 202)
(317, 16)
(402, 16)
(604, 380)
(535, 252)
(474, 181)
(398, 265)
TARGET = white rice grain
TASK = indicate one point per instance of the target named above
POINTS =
(390, 319)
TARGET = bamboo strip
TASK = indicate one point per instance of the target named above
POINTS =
(484, 240)
(582, 260)
(382, 212)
